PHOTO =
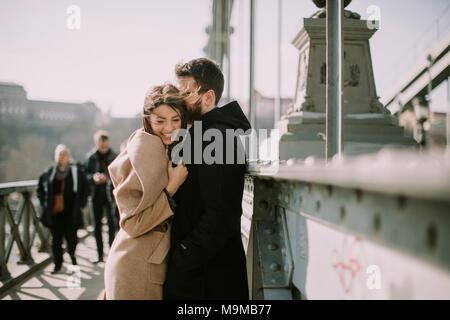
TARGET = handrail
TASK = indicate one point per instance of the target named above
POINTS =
(19, 215)
(430, 37)
(410, 173)
(317, 230)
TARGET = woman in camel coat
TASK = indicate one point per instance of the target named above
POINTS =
(144, 182)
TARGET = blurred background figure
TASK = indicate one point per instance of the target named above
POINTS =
(101, 189)
(62, 191)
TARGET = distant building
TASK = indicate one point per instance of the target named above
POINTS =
(15, 105)
(265, 109)
(31, 129)
(60, 112)
(435, 128)
(13, 101)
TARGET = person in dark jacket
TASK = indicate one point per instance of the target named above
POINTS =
(207, 258)
(101, 189)
(62, 192)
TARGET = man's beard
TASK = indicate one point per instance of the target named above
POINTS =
(194, 112)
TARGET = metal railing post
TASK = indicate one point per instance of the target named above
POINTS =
(447, 126)
(279, 36)
(26, 224)
(228, 51)
(4, 273)
(42, 234)
(334, 46)
(251, 106)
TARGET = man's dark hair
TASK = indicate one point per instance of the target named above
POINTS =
(101, 135)
(206, 73)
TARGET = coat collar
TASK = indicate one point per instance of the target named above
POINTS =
(74, 170)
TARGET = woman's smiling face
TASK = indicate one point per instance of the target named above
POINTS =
(164, 120)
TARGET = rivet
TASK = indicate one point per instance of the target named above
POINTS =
(342, 213)
(272, 246)
(431, 237)
(359, 195)
(401, 200)
(269, 231)
(377, 222)
(329, 190)
(274, 267)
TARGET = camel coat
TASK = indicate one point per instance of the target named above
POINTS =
(137, 263)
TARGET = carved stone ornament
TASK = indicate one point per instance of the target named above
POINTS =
(352, 73)
(307, 105)
(303, 69)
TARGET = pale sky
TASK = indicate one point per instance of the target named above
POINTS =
(403, 23)
(125, 47)
(122, 48)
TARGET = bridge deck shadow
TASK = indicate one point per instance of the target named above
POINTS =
(81, 282)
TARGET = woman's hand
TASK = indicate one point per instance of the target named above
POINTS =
(177, 176)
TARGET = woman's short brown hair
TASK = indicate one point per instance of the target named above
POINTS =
(164, 94)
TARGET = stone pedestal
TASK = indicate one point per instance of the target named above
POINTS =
(367, 125)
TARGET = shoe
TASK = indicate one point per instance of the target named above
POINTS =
(74, 260)
(56, 270)
(100, 260)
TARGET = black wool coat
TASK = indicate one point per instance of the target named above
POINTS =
(207, 258)
(92, 166)
(75, 198)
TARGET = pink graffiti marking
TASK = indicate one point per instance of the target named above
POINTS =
(346, 263)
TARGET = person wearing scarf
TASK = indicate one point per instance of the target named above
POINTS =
(62, 191)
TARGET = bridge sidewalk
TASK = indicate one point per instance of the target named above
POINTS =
(82, 282)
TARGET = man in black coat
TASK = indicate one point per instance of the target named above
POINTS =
(67, 180)
(101, 189)
(207, 258)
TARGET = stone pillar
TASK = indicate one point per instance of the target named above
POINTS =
(367, 125)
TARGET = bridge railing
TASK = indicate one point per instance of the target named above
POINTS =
(368, 227)
(20, 224)
(417, 52)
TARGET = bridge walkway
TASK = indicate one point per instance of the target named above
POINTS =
(81, 282)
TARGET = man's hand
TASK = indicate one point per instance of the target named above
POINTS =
(99, 178)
